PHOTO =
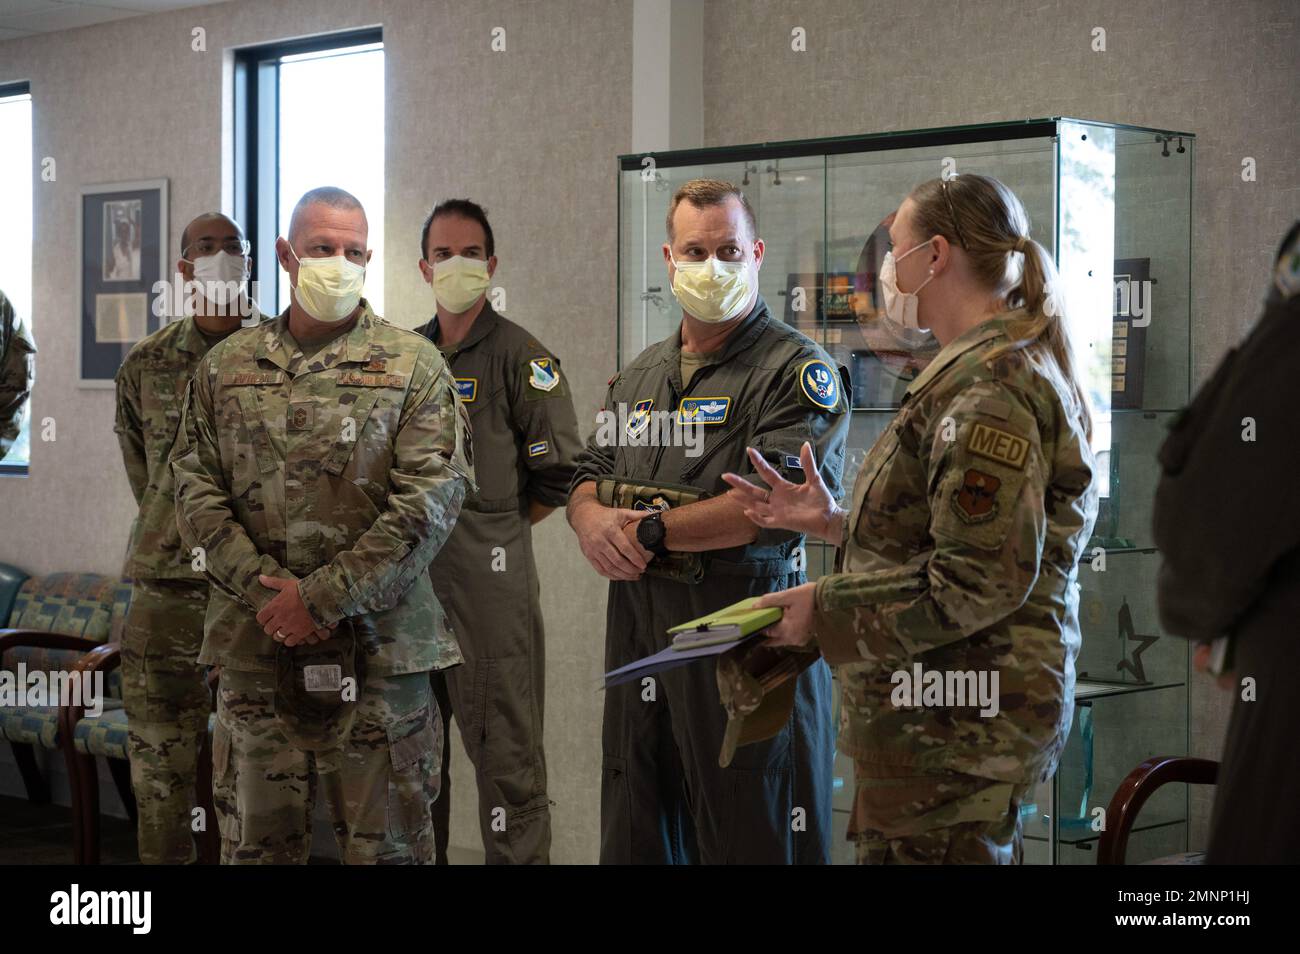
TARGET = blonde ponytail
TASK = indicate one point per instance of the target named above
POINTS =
(985, 219)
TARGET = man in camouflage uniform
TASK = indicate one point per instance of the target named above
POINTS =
(166, 697)
(525, 442)
(17, 371)
(323, 461)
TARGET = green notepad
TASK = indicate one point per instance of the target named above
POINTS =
(726, 625)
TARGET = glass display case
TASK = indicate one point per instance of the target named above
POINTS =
(1112, 203)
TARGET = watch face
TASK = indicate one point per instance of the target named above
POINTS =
(650, 532)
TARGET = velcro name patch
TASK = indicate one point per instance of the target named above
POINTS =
(998, 445)
(355, 379)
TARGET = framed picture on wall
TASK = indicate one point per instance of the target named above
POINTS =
(123, 229)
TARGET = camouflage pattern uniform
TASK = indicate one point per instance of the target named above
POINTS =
(525, 440)
(166, 697)
(961, 553)
(346, 471)
(17, 371)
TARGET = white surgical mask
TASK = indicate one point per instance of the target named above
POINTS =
(328, 289)
(458, 282)
(711, 290)
(222, 277)
(900, 307)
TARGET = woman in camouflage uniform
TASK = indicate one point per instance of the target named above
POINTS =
(952, 617)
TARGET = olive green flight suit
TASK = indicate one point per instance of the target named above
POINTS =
(17, 371)
(664, 798)
(960, 556)
(166, 696)
(525, 443)
(346, 471)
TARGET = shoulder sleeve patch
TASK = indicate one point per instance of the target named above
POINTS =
(820, 387)
(543, 378)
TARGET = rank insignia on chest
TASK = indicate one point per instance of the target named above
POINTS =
(538, 448)
(467, 388)
(703, 410)
(377, 364)
(976, 498)
(302, 417)
(545, 376)
(639, 418)
(820, 384)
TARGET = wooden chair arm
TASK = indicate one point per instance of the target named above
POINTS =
(9, 638)
(1134, 791)
(104, 657)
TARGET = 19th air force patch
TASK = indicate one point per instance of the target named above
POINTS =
(819, 383)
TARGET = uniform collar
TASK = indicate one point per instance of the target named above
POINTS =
(968, 340)
(274, 344)
(190, 338)
(746, 333)
(486, 321)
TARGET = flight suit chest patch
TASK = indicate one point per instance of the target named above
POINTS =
(467, 388)
(998, 445)
(703, 410)
(976, 499)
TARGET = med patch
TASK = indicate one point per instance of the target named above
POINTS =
(998, 445)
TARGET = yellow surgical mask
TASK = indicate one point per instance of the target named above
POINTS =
(458, 282)
(712, 290)
(328, 289)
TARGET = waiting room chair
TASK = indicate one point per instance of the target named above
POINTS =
(1133, 793)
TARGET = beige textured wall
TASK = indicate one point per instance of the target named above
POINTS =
(531, 133)
(1228, 72)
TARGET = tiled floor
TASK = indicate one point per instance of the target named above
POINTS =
(42, 835)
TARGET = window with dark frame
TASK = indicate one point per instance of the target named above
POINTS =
(17, 172)
(289, 97)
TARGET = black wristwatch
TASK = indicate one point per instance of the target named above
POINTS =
(650, 533)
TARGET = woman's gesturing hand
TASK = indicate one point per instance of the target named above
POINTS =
(805, 508)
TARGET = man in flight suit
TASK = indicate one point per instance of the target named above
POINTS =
(322, 463)
(525, 443)
(744, 379)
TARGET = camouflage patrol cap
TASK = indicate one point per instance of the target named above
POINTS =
(317, 688)
(757, 683)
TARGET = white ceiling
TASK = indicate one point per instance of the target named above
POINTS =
(26, 17)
